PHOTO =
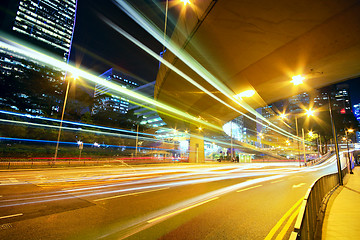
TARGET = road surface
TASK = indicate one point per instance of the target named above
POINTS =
(179, 201)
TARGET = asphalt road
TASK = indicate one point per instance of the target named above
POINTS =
(182, 201)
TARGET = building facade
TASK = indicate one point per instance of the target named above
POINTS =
(106, 100)
(45, 26)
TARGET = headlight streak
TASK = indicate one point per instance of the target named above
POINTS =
(72, 123)
(76, 129)
(99, 190)
(64, 194)
(183, 75)
(190, 62)
(184, 204)
(98, 127)
(85, 144)
(95, 79)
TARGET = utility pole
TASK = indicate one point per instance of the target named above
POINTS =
(303, 136)
(336, 144)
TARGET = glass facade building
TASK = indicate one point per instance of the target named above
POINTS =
(106, 100)
(49, 22)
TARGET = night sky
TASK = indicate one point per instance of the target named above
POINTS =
(97, 47)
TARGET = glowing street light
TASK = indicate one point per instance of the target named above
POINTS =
(350, 130)
(297, 80)
(74, 77)
(310, 112)
(311, 134)
(283, 116)
(185, 2)
(247, 93)
(261, 135)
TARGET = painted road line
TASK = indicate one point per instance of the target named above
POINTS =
(13, 180)
(283, 218)
(248, 188)
(288, 224)
(9, 216)
(128, 194)
(278, 181)
(298, 185)
(181, 210)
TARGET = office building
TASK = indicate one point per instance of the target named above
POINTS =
(106, 100)
(356, 109)
(339, 96)
(43, 24)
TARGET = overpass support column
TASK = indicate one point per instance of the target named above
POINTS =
(197, 153)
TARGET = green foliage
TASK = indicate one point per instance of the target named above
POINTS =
(30, 90)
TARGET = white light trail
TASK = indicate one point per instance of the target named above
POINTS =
(193, 64)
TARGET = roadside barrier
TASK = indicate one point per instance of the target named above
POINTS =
(71, 161)
(309, 221)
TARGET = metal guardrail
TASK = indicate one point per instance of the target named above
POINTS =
(311, 211)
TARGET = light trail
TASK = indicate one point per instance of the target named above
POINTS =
(75, 129)
(85, 144)
(99, 127)
(32, 54)
(90, 191)
(176, 208)
(190, 62)
(72, 123)
(197, 176)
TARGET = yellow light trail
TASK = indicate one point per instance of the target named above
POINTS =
(193, 64)
(47, 60)
(74, 129)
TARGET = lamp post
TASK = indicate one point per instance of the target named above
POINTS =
(347, 144)
(309, 113)
(336, 144)
(297, 135)
(62, 116)
(231, 149)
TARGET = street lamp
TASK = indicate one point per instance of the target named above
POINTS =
(74, 77)
(336, 144)
(297, 80)
(185, 2)
(247, 93)
(309, 113)
(350, 130)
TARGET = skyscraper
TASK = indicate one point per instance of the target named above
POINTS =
(105, 100)
(339, 96)
(45, 24)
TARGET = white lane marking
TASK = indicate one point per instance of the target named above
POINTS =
(129, 194)
(298, 185)
(278, 181)
(13, 180)
(248, 188)
(9, 216)
(181, 210)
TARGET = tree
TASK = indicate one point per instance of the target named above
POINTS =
(36, 89)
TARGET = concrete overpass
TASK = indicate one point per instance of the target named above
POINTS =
(258, 45)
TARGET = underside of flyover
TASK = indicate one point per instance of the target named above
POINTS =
(256, 45)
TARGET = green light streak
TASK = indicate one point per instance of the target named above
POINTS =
(38, 56)
(195, 66)
(74, 129)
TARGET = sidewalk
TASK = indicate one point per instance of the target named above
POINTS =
(342, 215)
